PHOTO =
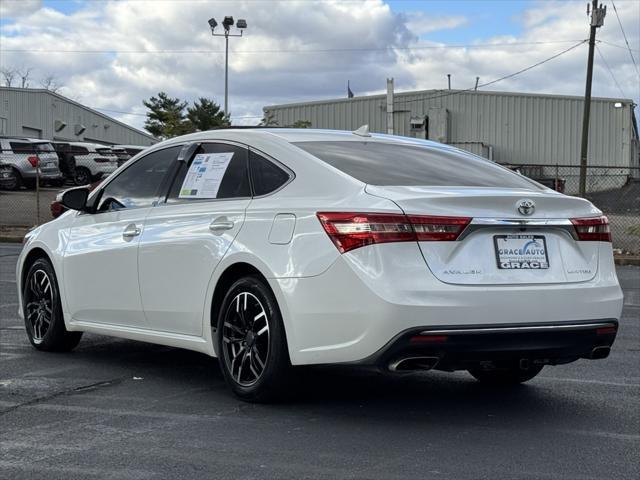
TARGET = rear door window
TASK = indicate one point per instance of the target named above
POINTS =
(391, 164)
(234, 182)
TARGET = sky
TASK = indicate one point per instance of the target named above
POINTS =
(112, 54)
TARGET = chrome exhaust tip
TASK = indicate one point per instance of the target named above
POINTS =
(600, 352)
(409, 364)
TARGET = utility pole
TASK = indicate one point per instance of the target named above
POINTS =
(390, 102)
(597, 20)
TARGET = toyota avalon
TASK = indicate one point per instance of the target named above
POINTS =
(276, 248)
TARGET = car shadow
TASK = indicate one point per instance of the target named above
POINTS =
(352, 394)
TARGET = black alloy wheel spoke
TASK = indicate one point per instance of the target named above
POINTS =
(245, 338)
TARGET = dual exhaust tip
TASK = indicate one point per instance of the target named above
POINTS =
(409, 364)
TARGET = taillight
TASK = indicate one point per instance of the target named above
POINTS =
(33, 160)
(353, 230)
(592, 229)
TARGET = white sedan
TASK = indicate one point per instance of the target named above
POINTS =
(275, 248)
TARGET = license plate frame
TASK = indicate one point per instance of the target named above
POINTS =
(522, 257)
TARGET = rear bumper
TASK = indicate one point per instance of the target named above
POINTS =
(460, 348)
(370, 296)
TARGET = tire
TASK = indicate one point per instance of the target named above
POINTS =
(511, 375)
(43, 310)
(29, 184)
(14, 182)
(251, 342)
(82, 176)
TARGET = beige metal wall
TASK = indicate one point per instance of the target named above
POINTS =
(28, 111)
(521, 128)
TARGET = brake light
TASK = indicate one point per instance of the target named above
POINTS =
(349, 231)
(592, 229)
(33, 160)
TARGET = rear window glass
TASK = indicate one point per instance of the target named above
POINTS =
(44, 147)
(378, 163)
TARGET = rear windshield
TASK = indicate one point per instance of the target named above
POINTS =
(378, 163)
(44, 147)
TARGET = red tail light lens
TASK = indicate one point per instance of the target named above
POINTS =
(33, 160)
(592, 229)
(353, 230)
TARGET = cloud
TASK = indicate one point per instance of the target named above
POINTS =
(17, 8)
(421, 23)
(296, 51)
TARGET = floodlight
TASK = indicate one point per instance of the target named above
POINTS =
(241, 23)
(227, 22)
(212, 23)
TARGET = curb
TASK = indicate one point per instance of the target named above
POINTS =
(627, 260)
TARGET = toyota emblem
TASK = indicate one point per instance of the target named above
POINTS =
(526, 207)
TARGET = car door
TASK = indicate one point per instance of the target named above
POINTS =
(185, 238)
(101, 259)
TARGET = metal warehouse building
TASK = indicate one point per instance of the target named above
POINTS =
(43, 114)
(509, 128)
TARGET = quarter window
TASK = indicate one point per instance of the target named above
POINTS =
(234, 182)
(265, 175)
(139, 185)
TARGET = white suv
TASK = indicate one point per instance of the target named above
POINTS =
(93, 162)
(24, 155)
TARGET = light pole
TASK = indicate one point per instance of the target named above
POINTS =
(227, 23)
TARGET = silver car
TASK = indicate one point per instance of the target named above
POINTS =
(29, 159)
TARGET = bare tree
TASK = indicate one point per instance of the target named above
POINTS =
(8, 74)
(24, 74)
(51, 83)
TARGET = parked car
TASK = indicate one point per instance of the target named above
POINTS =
(273, 248)
(6, 176)
(29, 159)
(125, 152)
(93, 162)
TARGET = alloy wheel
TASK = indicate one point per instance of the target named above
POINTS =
(245, 339)
(39, 304)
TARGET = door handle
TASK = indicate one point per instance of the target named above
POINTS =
(220, 224)
(131, 231)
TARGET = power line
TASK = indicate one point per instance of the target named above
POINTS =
(624, 47)
(302, 51)
(610, 72)
(625, 37)
(511, 75)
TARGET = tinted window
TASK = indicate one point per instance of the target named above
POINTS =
(44, 147)
(21, 147)
(139, 184)
(378, 163)
(79, 150)
(265, 175)
(235, 181)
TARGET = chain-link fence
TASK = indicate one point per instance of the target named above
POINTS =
(31, 178)
(614, 190)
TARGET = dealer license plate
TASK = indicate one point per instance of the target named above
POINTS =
(521, 252)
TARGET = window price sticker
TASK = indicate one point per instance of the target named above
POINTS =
(205, 175)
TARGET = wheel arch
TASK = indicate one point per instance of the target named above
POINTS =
(233, 271)
(29, 259)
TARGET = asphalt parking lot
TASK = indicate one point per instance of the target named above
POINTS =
(121, 409)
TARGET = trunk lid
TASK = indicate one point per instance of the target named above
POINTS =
(498, 232)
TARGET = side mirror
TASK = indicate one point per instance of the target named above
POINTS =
(75, 198)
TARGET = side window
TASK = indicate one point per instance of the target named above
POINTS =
(231, 181)
(266, 176)
(21, 147)
(138, 185)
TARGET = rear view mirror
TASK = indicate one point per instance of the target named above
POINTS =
(75, 198)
